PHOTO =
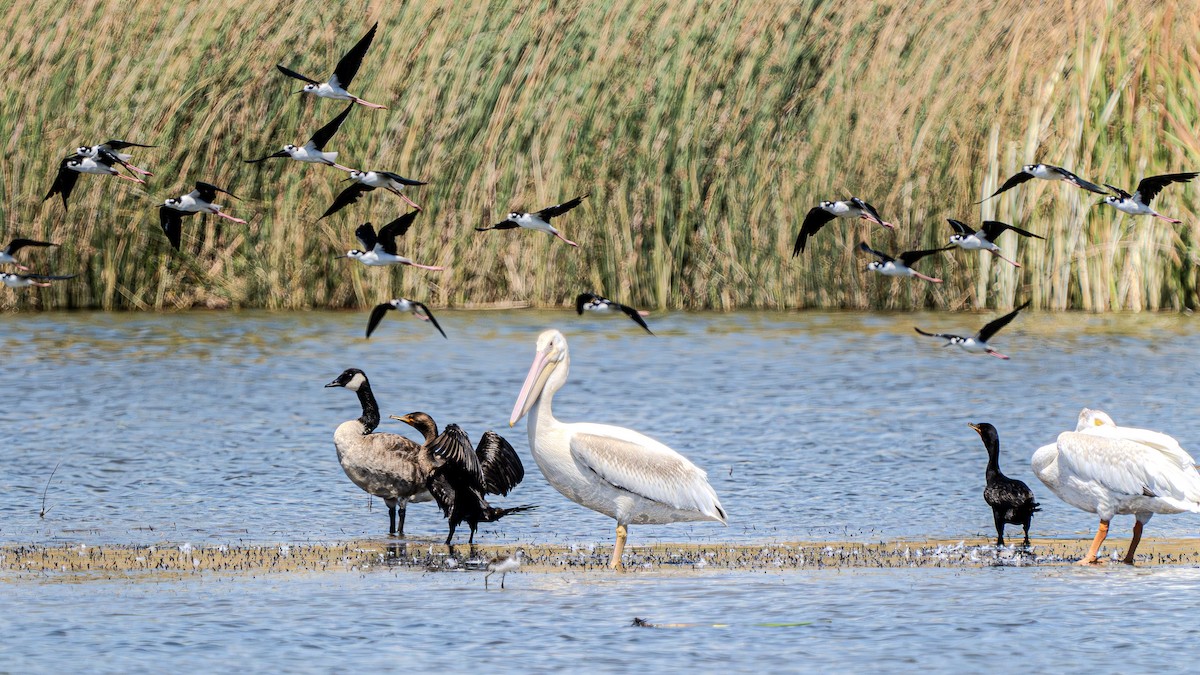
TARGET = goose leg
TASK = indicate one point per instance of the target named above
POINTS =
(622, 533)
(1133, 544)
(401, 509)
(391, 504)
(1101, 534)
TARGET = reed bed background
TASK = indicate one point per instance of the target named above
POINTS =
(704, 132)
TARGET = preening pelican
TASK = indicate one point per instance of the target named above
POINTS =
(1106, 469)
(619, 472)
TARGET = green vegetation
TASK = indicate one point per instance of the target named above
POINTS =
(703, 130)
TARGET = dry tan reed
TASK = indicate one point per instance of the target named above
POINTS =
(703, 130)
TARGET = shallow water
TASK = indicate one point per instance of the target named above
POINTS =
(1035, 620)
(216, 427)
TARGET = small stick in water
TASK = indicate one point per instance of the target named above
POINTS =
(47, 489)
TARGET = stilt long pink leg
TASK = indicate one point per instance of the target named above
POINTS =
(1010, 262)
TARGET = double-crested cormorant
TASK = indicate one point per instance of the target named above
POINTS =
(464, 476)
(1011, 500)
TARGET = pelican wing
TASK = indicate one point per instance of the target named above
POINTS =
(639, 464)
(1161, 442)
(1125, 467)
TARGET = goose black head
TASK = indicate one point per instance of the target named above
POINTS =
(351, 378)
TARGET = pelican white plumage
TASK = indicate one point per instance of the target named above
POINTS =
(619, 472)
(1106, 469)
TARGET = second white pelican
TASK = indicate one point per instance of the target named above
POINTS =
(1106, 469)
(619, 472)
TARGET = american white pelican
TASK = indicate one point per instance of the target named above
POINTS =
(1107, 470)
(619, 472)
(1011, 500)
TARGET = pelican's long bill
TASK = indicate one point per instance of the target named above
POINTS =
(534, 382)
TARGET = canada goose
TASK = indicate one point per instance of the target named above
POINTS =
(388, 466)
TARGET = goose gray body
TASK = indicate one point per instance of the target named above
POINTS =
(389, 466)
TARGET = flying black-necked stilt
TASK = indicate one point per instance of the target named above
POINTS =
(200, 200)
(404, 305)
(537, 220)
(590, 302)
(368, 181)
(313, 150)
(70, 168)
(1046, 172)
(381, 249)
(824, 212)
(8, 252)
(14, 280)
(343, 74)
(977, 344)
(1138, 203)
(901, 265)
(112, 148)
(983, 239)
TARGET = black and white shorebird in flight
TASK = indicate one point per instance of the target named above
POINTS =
(901, 265)
(314, 149)
(379, 250)
(8, 253)
(819, 215)
(537, 220)
(977, 344)
(112, 148)
(343, 74)
(14, 280)
(590, 302)
(1138, 203)
(1046, 172)
(402, 305)
(984, 239)
(70, 168)
(200, 200)
(367, 181)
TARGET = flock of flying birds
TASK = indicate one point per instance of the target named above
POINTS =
(1100, 467)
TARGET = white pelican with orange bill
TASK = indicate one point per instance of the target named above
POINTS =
(619, 472)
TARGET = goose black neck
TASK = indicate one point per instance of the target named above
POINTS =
(370, 416)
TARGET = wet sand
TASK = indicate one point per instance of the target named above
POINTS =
(83, 562)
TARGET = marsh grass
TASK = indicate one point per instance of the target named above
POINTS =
(703, 131)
